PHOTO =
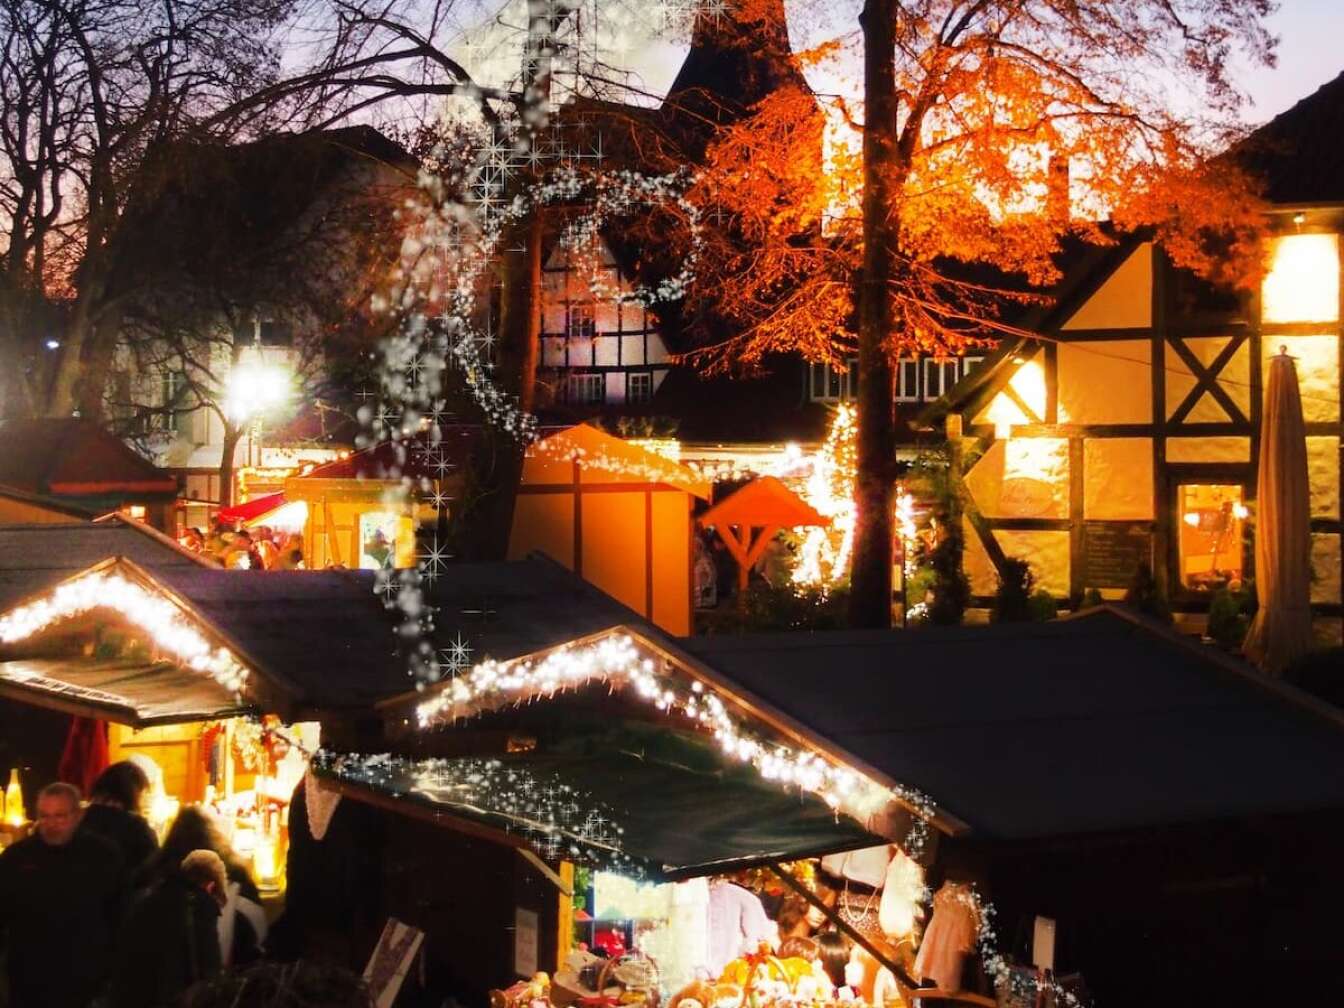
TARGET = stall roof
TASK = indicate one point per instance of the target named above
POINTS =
(36, 557)
(764, 501)
(642, 797)
(1098, 722)
(321, 639)
(75, 457)
(141, 694)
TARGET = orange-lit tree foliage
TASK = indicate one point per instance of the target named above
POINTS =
(993, 134)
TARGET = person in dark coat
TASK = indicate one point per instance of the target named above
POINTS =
(60, 903)
(171, 938)
(195, 829)
(114, 814)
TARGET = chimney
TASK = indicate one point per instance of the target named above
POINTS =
(1057, 203)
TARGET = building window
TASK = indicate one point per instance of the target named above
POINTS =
(828, 384)
(639, 387)
(907, 380)
(172, 385)
(1212, 520)
(940, 376)
(969, 364)
(273, 333)
(587, 388)
(579, 323)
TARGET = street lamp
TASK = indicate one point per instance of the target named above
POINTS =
(254, 389)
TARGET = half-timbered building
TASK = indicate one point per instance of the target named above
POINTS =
(1128, 431)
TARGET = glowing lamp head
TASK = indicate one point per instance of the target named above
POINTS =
(256, 388)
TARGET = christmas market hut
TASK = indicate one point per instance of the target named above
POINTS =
(1057, 787)
(617, 514)
(78, 463)
(218, 682)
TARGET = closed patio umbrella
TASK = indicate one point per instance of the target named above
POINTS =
(1281, 630)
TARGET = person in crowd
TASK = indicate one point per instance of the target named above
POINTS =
(171, 938)
(116, 813)
(194, 829)
(193, 539)
(60, 903)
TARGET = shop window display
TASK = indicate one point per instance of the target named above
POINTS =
(1212, 526)
(386, 540)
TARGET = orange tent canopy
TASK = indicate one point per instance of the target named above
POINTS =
(604, 456)
(764, 501)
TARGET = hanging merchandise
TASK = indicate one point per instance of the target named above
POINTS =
(950, 937)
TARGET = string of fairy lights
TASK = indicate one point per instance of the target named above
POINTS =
(168, 628)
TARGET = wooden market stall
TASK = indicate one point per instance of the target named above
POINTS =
(1078, 772)
(617, 515)
(346, 511)
(218, 682)
(750, 518)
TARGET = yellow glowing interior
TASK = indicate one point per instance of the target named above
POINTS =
(1029, 384)
(291, 516)
(1212, 519)
(1303, 280)
(386, 540)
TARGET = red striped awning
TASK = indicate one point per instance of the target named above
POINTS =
(254, 508)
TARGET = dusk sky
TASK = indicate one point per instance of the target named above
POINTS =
(1310, 54)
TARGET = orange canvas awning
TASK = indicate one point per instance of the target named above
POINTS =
(765, 502)
(604, 456)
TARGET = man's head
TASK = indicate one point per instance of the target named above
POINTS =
(205, 870)
(58, 813)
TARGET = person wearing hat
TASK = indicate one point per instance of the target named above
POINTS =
(172, 935)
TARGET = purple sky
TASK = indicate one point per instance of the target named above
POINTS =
(1310, 54)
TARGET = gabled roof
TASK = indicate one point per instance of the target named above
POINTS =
(35, 557)
(73, 457)
(73, 511)
(1299, 154)
(1097, 722)
(764, 501)
(609, 458)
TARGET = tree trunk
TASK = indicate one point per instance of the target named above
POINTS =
(233, 433)
(99, 355)
(516, 371)
(870, 577)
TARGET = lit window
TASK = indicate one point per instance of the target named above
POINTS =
(587, 388)
(1303, 280)
(1212, 520)
(136, 511)
(639, 387)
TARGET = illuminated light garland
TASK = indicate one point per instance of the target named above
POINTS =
(562, 821)
(616, 661)
(167, 627)
(823, 556)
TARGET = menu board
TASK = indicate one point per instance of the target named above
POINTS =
(1113, 551)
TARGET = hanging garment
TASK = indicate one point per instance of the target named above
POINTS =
(950, 937)
(737, 925)
(902, 893)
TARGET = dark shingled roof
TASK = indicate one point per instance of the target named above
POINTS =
(1299, 154)
(327, 633)
(1099, 722)
(74, 457)
(35, 557)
